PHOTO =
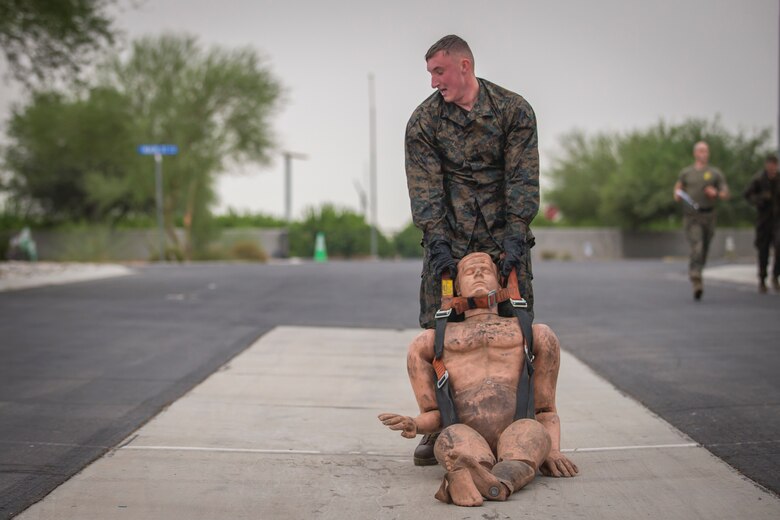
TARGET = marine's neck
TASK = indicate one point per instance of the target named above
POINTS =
(700, 165)
(469, 99)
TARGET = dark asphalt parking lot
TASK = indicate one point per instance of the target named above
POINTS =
(85, 364)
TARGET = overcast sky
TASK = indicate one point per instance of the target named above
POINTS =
(596, 65)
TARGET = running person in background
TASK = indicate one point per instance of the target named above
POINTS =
(700, 186)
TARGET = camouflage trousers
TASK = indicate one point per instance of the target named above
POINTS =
(481, 241)
(699, 230)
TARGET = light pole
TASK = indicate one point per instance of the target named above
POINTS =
(288, 157)
(372, 162)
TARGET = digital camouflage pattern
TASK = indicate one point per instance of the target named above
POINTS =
(699, 230)
(764, 194)
(699, 224)
(694, 181)
(473, 178)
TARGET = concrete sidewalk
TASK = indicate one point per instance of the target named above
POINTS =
(25, 275)
(288, 429)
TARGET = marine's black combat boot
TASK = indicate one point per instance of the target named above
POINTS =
(775, 284)
(423, 453)
(762, 286)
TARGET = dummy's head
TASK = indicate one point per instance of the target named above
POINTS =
(477, 275)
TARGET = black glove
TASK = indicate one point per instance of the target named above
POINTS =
(514, 249)
(440, 259)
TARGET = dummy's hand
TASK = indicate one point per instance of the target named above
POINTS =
(514, 249)
(399, 422)
(711, 192)
(440, 258)
(557, 465)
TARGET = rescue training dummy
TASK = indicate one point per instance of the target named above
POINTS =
(476, 388)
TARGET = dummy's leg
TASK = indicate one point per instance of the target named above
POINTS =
(522, 448)
(467, 457)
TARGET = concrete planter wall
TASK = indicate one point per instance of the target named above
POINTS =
(569, 243)
(141, 244)
(608, 243)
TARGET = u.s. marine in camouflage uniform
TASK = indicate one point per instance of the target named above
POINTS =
(472, 169)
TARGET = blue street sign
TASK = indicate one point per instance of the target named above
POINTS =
(155, 149)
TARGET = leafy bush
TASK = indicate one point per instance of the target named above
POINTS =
(248, 250)
(347, 234)
(407, 242)
(246, 219)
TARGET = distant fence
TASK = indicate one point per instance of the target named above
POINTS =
(561, 243)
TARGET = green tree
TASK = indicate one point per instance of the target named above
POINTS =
(43, 39)
(70, 158)
(579, 175)
(73, 156)
(626, 179)
(347, 234)
(407, 242)
(214, 104)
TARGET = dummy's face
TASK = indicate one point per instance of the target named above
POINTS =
(477, 276)
(449, 74)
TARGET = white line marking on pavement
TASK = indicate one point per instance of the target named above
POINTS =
(373, 453)
(639, 447)
(223, 450)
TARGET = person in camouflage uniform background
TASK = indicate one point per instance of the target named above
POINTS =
(472, 170)
(703, 185)
(763, 192)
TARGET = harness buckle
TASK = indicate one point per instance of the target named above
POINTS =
(519, 304)
(443, 313)
(492, 298)
(443, 379)
(530, 357)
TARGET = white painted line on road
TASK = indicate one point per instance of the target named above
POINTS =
(373, 453)
(638, 447)
(220, 450)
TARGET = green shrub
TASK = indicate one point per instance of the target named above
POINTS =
(407, 242)
(248, 250)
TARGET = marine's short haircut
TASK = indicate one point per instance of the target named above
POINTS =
(451, 44)
(771, 158)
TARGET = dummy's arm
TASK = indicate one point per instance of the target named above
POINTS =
(547, 363)
(422, 376)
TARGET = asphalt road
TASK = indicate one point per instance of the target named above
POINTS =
(83, 365)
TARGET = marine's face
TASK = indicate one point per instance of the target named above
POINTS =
(701, 153)
(449, 74)
(771, 168)
(477, 276)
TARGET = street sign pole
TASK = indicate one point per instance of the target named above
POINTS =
(158, 150)
(159, 196)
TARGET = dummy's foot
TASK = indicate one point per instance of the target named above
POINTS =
(488, 485)
(423, 453)
(458, 488)
(514, 474)
(776, 284)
